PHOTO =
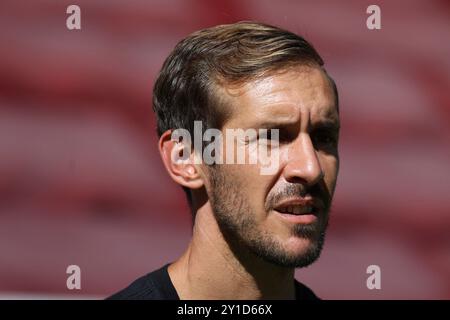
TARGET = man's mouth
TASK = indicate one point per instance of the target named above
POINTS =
(299, 206)
(299, 210)
(296, 209)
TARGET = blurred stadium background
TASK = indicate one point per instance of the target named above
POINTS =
(81, 181)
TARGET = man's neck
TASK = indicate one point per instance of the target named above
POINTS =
(211, 269)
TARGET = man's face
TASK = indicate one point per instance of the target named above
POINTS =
(271, 214)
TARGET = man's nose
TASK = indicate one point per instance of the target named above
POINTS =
(303, 163)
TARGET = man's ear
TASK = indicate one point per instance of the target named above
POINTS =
(178, 158)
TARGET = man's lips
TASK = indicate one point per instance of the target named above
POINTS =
(299, 210)
(299, 206)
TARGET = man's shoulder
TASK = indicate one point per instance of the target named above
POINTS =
(141, 288)
(155, 285)
(302, 292)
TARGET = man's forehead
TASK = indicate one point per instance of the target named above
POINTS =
(283, 97)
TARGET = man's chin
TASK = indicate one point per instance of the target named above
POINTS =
(302, 254)
(297, 252)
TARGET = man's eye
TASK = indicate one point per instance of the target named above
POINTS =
(250, 139)
(269, 136)
(325, 139)
(264, 136)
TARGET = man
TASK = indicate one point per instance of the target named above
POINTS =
(250, 230)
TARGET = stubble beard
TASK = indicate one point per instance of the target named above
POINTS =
(237, 222)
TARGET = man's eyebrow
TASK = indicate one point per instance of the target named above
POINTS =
(273, 124)
(327, 124)
(322, 124)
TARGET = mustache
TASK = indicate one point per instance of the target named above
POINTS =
(318, 191)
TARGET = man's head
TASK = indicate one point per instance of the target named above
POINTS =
(254, 76)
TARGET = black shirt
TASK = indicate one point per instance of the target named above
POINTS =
(158, 286)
